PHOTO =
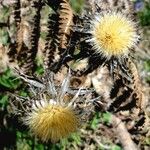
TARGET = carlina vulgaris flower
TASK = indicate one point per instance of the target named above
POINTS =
(51, 116)
(52, 121)
(113, 34)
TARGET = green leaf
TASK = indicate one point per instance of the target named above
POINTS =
(95, 121)
(106, 118)
(3, 100)
(145, 15)
(116, 147)
(64, 143)
(39, 70)
(23, 93)
(4, 37)
(76, 138)
(77, 5)
(19, 134)
(8, 80)
(4, 13)
(147, 141)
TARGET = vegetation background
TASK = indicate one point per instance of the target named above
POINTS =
(13, 135)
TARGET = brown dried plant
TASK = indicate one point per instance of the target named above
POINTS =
(70, 42)
(58, 38)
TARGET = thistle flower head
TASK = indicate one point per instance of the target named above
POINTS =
(113, 34)
(51, 115)
(49, 120)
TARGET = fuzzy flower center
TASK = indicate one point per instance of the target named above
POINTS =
(52, 122)
(113, 34)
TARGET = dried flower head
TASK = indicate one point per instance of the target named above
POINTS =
(49, 120)
(52, 113)
(113, 34)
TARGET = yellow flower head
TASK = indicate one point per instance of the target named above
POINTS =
(49, 120)
(52, 115)
(113, 34)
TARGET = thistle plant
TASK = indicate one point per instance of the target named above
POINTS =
(50, 113)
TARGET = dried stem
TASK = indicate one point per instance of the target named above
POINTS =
(123, 134)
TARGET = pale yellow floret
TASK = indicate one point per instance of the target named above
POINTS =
(52, 122)
(113, 34)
